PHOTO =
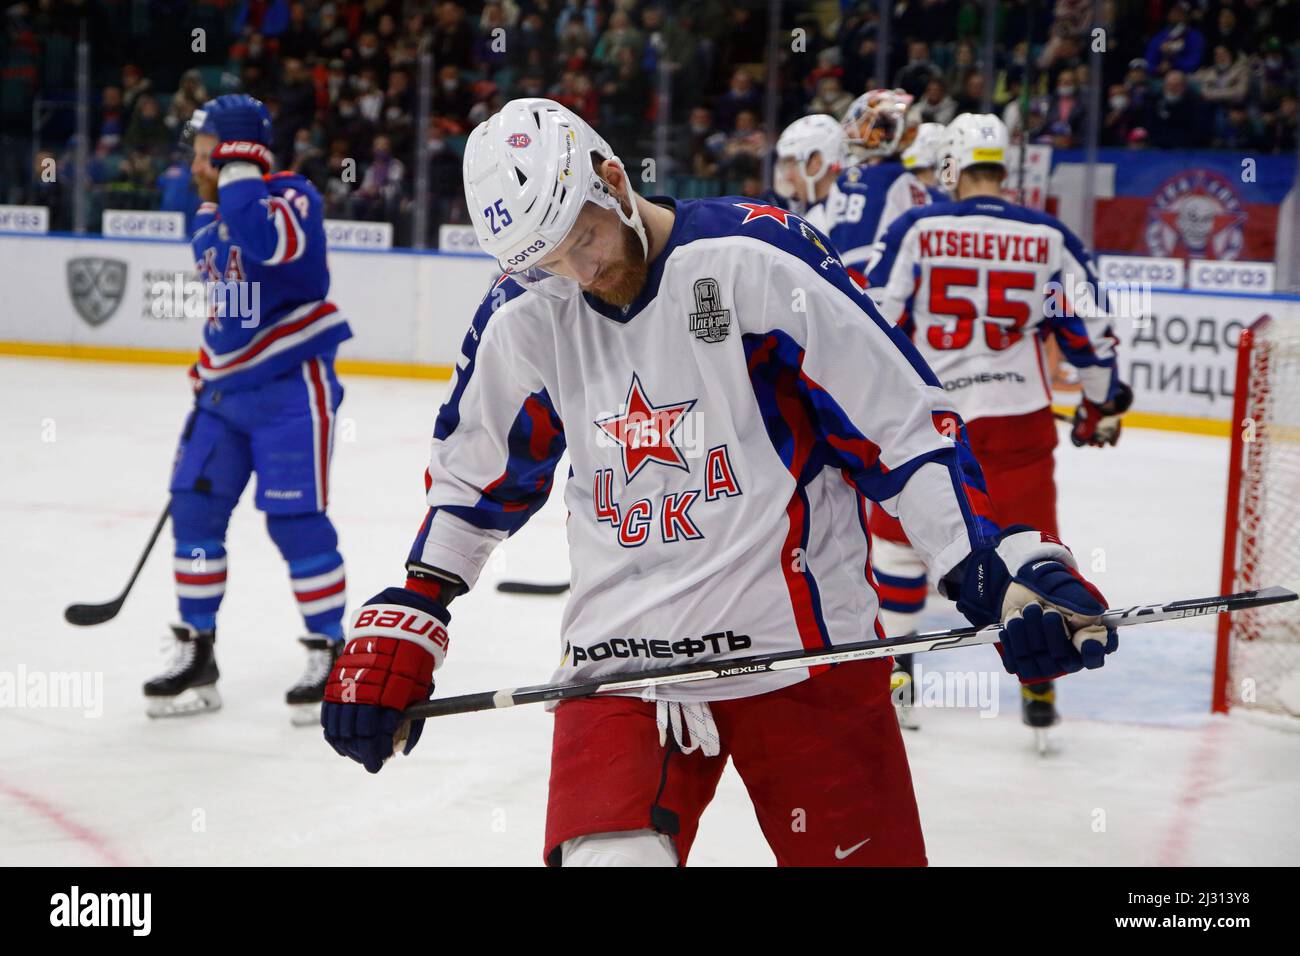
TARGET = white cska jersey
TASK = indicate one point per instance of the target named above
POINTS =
(723, 432)
(818, 215)
(904, 193)
(978, 285)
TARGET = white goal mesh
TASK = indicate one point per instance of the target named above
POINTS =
(1259, 650)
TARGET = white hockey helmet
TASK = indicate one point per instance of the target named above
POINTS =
(874, 123)
(975, 139)
(925, 148)
(529, 170)
(807, 136)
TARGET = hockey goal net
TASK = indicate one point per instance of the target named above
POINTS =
(1257, 665)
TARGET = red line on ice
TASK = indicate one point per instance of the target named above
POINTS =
(82, 834)
(1202, 773)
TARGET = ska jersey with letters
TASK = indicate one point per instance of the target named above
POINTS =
(262, 257)
(978, 285)
(722, 430)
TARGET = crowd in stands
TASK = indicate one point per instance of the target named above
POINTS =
(342, 81)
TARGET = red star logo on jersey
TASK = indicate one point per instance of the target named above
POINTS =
(758, 211)
(645, 431)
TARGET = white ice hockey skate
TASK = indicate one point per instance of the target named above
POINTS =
(189, 685)
(304, 698)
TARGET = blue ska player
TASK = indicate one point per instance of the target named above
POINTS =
(868, 194)
(809, 157)
(729, 400)
(978, 285)
(266, 402)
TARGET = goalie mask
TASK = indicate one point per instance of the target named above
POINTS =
(874, 124)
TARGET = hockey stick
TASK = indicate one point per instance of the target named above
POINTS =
(530, 587)
(84, 615)
(858, 651)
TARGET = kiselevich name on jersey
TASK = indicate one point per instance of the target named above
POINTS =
(984, 378)
(625, 648)
(710, 322)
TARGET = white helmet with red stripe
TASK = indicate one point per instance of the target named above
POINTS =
(528, 172)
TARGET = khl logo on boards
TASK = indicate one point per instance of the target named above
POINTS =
(96, 286)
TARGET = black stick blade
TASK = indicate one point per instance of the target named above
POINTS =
(86, 615)
(529, 587)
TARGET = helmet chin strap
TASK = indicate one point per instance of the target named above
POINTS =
(633, 220)
(809, 183)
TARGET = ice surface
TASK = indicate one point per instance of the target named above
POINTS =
(1140, 772)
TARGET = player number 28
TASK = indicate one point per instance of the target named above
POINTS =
(958, 335)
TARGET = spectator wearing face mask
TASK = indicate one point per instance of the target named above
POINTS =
(1178, 46)
(347, 123)
(452, 98)
(1274, 76)
(1120, 118)
(380, 193)
(1177, 119)
(831, 98)
(369, 56)
(1066, 107)
(308, 159)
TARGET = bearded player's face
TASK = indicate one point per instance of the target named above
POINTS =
(602, 255)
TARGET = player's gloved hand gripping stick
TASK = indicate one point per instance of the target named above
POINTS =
(376, 699)
(382, 733)
(1099, 424)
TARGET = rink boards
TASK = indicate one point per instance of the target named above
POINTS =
(126, 300)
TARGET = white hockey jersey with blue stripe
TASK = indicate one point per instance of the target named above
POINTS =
(724, 432)
(978, 285)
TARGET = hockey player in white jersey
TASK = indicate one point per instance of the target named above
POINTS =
(919, 184)
(978, 284)
(809, 156)
(728, 400)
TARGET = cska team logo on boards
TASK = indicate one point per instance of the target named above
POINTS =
(1198, 214)
(645, 431)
